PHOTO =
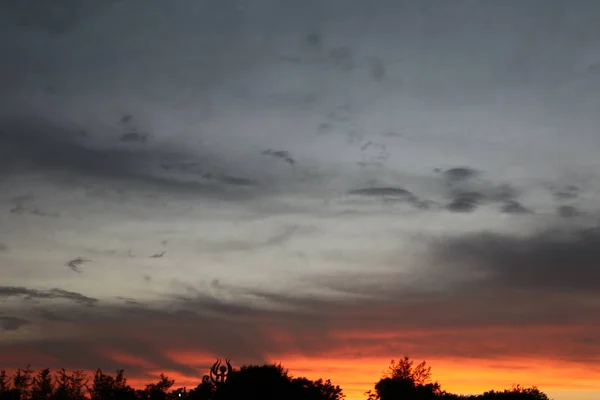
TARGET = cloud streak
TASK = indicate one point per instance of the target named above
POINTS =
(39, 294)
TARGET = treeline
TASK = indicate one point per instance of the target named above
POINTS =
(404, 381)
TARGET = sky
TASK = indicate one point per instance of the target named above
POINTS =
(328, 184)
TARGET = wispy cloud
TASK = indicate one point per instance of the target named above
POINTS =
(41, 294)
(76, 263)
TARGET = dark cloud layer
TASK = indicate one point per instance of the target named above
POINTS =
(390, 194)
(11, 323)
(382, 191)
(42, 145)
(554, 260)
(37, 294)
(474, 321)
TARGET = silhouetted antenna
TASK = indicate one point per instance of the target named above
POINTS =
(218, 372)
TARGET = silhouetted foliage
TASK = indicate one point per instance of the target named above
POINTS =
(72, 386)
(273, 382)
(106, 387)
(403, 381)
(42, 387)
(407, 381)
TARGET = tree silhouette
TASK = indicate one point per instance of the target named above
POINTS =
(273, 382)
(21, 384)
(204, 391)
(319, 389)
(70, 387)
(42, 387)
(403, 381)
(516, 393)
(159, 390)
(106, 387)
(4, 382)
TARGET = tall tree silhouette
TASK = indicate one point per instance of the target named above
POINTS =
(106, 387)
(4, 382)
(405, 381)
(70, 386)
(21, 383)
(42, 387)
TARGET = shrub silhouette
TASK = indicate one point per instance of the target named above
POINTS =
(403, 381)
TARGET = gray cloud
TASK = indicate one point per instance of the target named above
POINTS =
(22, 205)
(467, 191)
(281, 154)
(20, 210)
(514, 207)
(129, 301)
(568, 211)
(3, 247)
(37, 294)
(459, 174)
(76, 263)
(377, 69)
(465, 201)
(567, 192)
(382, 191)
(158, 255)
(11, 323)
(50, 146)
(553, 260)
(51, 316)
(390, 193)
(134, 137)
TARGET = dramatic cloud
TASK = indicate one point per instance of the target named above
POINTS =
(317, 182)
